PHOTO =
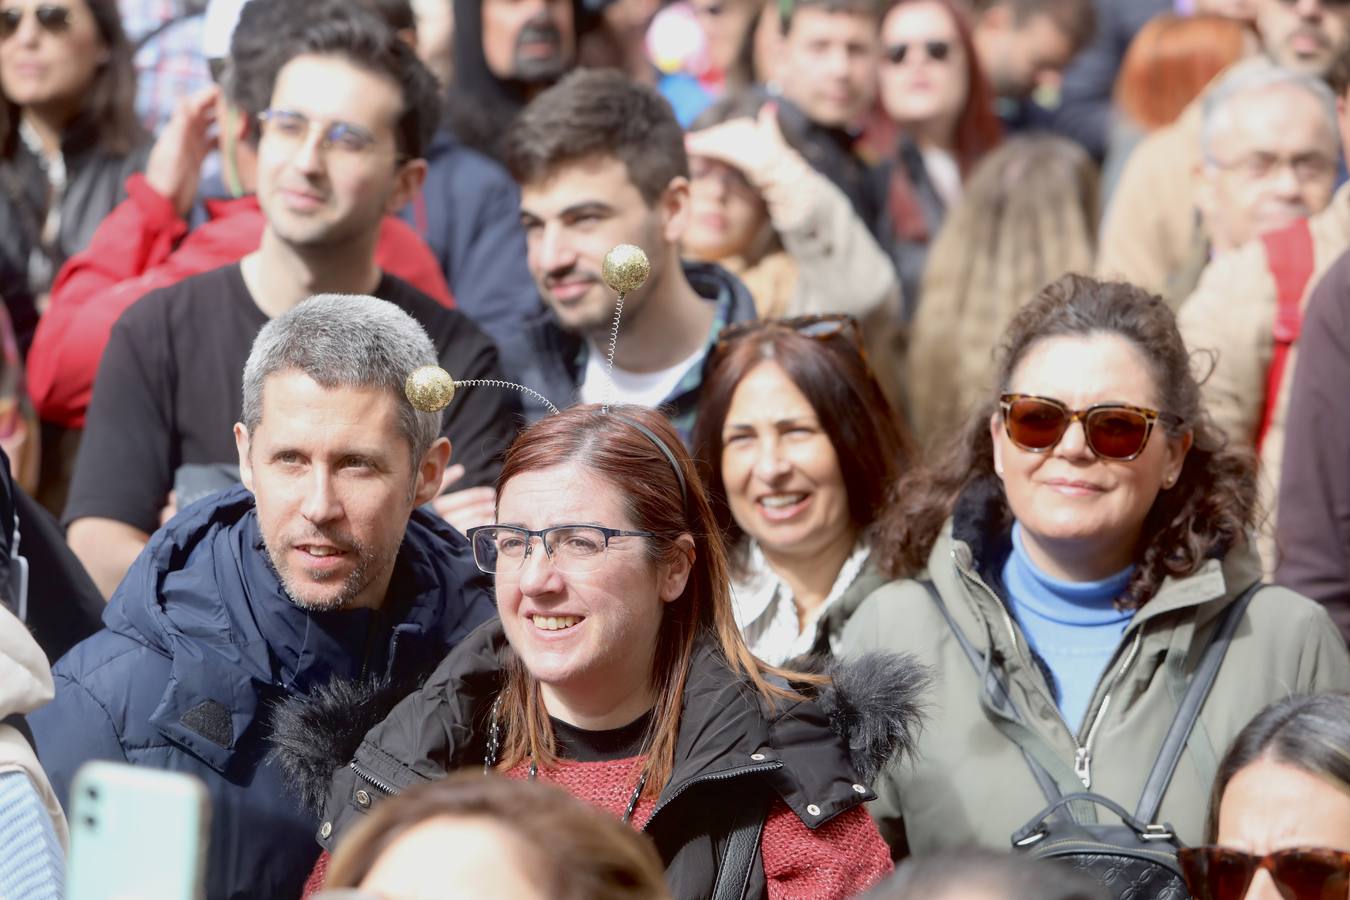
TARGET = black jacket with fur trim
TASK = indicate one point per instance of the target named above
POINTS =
(817, 755)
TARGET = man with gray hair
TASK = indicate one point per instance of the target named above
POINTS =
(1269, 153)
(322, 569)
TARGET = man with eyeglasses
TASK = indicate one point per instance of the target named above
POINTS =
(349, 116)
(1149, 234)
(1247, 312)
(320, 573)
(1270, 154)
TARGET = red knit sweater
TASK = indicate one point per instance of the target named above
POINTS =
(841, 858)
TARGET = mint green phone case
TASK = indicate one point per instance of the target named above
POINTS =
(136, 833)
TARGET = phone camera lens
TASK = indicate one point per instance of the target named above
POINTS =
(91, 793)
(90, 822)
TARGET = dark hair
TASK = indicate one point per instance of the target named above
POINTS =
(1338, 76)
(873, 447)
(599, 112)
(1208, 510)
(788, 9)
(1076, 18)
(942, 875)
(576, 851)
(110, 101)
(271, 33)
(1308, 732)
(397, 14)
(659, 502)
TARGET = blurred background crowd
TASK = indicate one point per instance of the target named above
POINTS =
(1005, 340)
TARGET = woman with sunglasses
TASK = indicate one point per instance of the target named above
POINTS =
(68, 139)
(934, 89)
(1084, 535)
(1279, 814)
(801, 450)
(616, 671)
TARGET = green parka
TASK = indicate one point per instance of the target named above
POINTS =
(968, 783)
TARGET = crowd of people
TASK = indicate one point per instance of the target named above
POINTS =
(961, 496)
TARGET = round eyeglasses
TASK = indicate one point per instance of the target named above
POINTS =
(573, 549)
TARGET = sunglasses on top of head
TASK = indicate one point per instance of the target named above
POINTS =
(1114, 431)
(937, 50)
(1299, 873)
(51, 18)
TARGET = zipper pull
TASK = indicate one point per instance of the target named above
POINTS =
(1082, 767)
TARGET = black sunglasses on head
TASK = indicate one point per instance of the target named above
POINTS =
(937, 51)
(50, 17)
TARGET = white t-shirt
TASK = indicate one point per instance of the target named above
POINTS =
(637, 388)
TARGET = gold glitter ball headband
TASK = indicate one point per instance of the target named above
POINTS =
(430, 388)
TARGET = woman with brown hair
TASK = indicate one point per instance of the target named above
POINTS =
(68, 139)
(1028, 217)
(935, 90)
(617, 672)
(1082, 538)
(784, 404)
(471, 836)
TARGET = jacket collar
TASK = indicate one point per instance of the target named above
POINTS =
(204, 594)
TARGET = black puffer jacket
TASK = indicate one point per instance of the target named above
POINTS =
(95, 182)
(731, 760)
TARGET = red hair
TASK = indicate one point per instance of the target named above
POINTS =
(978, 129)
(1171, 61)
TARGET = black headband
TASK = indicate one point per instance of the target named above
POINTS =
(665, 450)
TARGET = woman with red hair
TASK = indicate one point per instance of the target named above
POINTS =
(933, 88)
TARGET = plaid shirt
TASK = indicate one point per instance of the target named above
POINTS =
(171, 64)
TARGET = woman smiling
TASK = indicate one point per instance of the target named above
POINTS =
(1084, 537)
(617, 672)
(783, 403)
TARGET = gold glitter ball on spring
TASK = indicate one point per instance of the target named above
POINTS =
(430, 388)
(625, 268)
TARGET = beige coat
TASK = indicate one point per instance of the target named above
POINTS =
(968, 784)
(1150, 224)
(25, 684)
(1232, 315)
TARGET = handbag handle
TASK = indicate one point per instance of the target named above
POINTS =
(1034, 830)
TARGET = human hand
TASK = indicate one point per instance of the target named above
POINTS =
(465, 508)
(175, 163)
(751, 145)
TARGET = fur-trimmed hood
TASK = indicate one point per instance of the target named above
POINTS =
(868, 712)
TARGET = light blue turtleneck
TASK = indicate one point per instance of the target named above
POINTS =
(1073, 625)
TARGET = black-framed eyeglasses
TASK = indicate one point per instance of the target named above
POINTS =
(937, 51)
(293, 127)
(573, 549)
(1114, 431)
(52, 17)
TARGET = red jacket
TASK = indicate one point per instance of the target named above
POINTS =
(143, 245)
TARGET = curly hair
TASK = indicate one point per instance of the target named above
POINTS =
(1208, 511)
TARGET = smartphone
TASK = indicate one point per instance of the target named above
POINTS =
(136, 834)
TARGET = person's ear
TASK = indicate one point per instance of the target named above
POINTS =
(242, 444)
(1177, 448)
(427, 481)
(675, 209)
(408, 183)
(995, 430)
(674, 574)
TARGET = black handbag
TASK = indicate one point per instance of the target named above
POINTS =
(1137, 859)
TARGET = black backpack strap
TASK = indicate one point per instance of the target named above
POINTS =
(740, 852)
(1188, 711)
(995, 689)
